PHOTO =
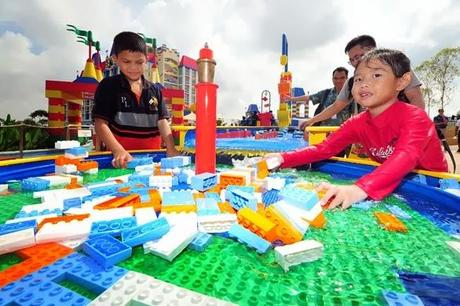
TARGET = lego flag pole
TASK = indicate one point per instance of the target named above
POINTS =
(206, 92)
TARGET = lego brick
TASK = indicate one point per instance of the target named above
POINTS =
(145, 214)
(66, 144)
(74, 244)
(63, 228)
(110, 214)
(233, 178)
(207, 206)
(119, 201)
(72, 202)
(200, 242)
(255, 222)
(17, 240)
(216, 223)
(213, 195)
(277, 183)
(139, 289)
(271, 196)
(230, 188)
(76, 152)
(398, 212)
(177, 198)
(449, 184)
(106, 250)
(34, 184)
(160, 181)
(57, 180)
(139, 161)
(390, 222)
(112, 227)
(297, 253)
(304, 199)
(401, 299)
(240, 199)
(284, 231)
(249, 238)
(204, 181)
(147, 232)
(17, 226)
(364, 205)
(294, 215)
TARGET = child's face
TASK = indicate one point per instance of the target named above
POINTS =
(375, 85)
(132, 64)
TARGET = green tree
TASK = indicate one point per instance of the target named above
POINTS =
(438, 75)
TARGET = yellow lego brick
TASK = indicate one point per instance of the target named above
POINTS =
(284, 231)
(256, 223)
(178, 208)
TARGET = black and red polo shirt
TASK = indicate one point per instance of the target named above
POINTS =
(132, 120)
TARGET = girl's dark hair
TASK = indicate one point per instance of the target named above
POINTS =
(397, 60)
(129, 41)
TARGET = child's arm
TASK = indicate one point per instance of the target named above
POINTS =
(166, 134)
(120, 155)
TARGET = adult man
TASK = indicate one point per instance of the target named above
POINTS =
(326, 97)
(355, 49)
(440, 122)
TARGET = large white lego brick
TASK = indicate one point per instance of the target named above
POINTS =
(53, 232)
(66, 144)
(17, 240)
(297, 253)
(293, 214)
(183, 230)
(160, 181)
(63, 193)
(139, 289)
(110, 214)
(65, 169)
(74, 244)
(219, 223)
(48, 205)
(56, 180)
(145, 215)
(142, 168)
(310, 215)
(277, 183)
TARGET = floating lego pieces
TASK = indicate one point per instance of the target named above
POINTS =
(106, 250)
(390, 222)
(297, 253)
(401, 299)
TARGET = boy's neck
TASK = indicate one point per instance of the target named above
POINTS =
(377, 110)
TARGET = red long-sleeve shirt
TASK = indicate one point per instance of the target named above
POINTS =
(402, 138)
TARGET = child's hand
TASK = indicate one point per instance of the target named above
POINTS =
(172, 152)
(273, 160)
(345, 195)
(121, 158)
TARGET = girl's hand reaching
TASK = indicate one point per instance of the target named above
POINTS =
(341, 195)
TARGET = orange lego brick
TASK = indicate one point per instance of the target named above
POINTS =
(129, 200)
(319, 222)
(390, 222)
(256, 223)
(262, 169)
(226, 207)
(68, 218)
(73, 184)
(86, 165)
(225, 180)
(284, 231)
(35, 258)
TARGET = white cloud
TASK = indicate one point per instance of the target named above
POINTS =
(245, 37)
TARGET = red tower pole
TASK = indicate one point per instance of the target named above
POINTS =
(206, 94)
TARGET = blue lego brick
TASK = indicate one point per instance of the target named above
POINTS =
(33, 291)
(150, 231)
(247, 237)
(106, 250)
(301, 198)
(213, 195)
(419, 178)
(182, 177)
(242, 199)
(76, 267)
(270, 197)
(207, 206)
(449, 184)
(175, 180)
(138, 178)
(397, 211)
(36, 213)
(181, 186)
(298, 91)
(177, 198)
(112, 227)
(401, 299)
(204, 181)
(200, 242)
(230, 188)
(72, 202)
(139, 161)
(34, 184)
(170, 162)
(17, 226)
(365, 205)
(77, 151)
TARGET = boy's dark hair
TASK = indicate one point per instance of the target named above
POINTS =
(363, 41)
(129, 41)
(398, 61)
(340, 69)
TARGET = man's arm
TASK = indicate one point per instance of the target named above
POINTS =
(327, 113)
(166, 134)
(415, 96)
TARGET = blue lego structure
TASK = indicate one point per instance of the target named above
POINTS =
(34, 184)
(150, 231)
(107, 250)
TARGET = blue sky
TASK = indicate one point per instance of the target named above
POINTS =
(245, 37)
